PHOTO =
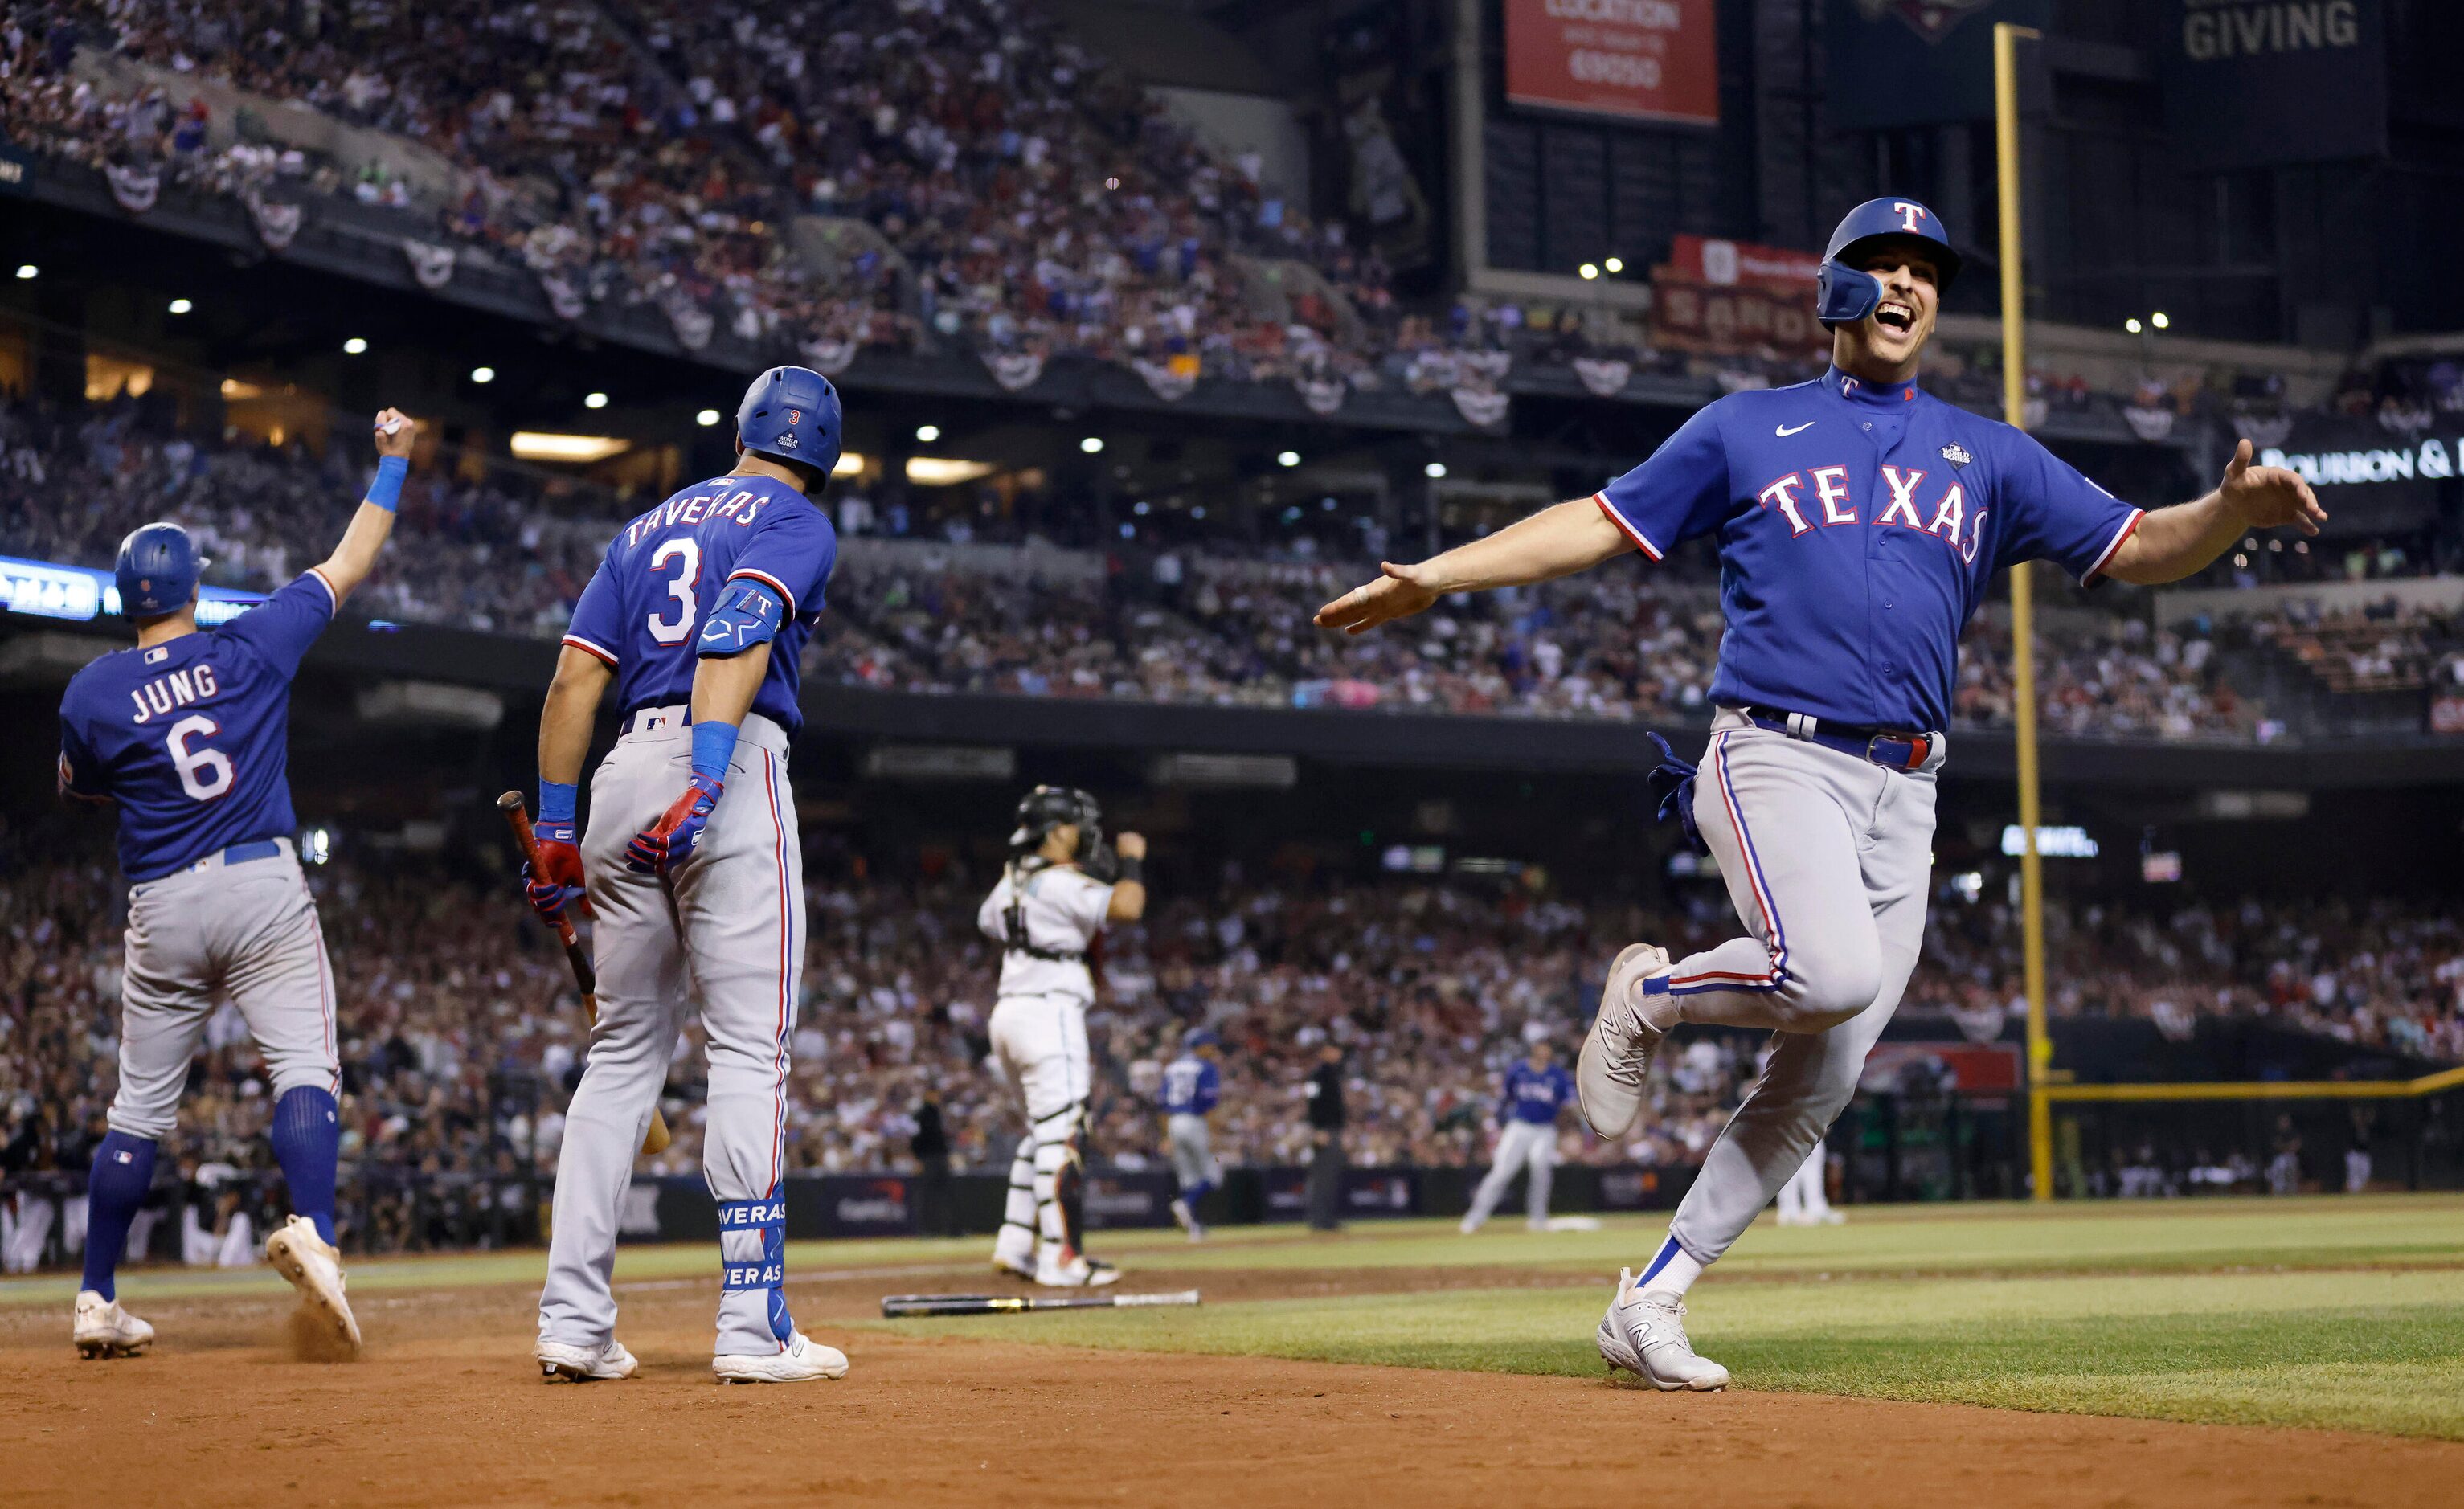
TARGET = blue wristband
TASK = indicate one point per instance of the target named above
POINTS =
(557, 799)
(386, 491)
(714, 746)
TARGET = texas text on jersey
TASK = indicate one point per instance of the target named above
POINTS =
(1857, 527)
(643, 611)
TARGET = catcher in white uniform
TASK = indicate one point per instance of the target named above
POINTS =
(1053, 898)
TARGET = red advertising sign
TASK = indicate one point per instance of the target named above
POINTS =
(1736, 298)
(1641, 60)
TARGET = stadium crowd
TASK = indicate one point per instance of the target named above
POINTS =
(834, 176)
(1219, 627)
(460, 1032)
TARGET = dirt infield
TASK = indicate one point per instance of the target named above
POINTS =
(446, 1410)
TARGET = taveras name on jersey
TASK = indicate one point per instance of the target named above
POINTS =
(643, 611)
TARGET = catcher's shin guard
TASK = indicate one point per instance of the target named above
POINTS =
(1069, 1193)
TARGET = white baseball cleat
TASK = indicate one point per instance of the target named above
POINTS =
(103, 1329)
(1188, 1219)
(1644, 1333)
(1077, 1272)
(1617, 1053)
(316, 1270)
(804, 1361)
(1466, 1226)
(1014, 1267)
(573, 1363)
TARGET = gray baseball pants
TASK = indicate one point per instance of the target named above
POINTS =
(248, 931)
(724, 930)
(1828, 860)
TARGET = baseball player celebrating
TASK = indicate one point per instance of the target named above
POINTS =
(1858, 522)
(1045, 914)
(1192, 1084)
(1535, 1090)
(188, 733)
(692, 868)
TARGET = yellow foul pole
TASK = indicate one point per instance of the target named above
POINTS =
(2023, 636)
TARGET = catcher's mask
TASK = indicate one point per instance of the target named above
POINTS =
(1048, 807)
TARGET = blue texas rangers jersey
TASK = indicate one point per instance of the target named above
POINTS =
(1191, 1087)
(1536, 1095)
(642, 610)
(192, 736)
(1857, 527)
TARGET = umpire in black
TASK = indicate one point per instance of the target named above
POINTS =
(936, 1212)
(1325, 1091)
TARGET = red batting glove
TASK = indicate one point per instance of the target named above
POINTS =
(557, 879)
(670, 841)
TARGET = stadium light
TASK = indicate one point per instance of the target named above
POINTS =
(1092, 445)
(355, 346)
(1434, 470)
(181, 306)
(938, 472)
(928, 433)
(706, 418)
(595, 401)
(1141, 508)
(2131, 324)
(849, 463)
(28, 272)
(1289, 458)
(1614, 264)
(1199, 511)
(483, 374)
(2159, 321)
(532, 445)
(1588, 270)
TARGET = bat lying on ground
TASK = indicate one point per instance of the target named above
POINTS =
(518, 819)
(896, 1305)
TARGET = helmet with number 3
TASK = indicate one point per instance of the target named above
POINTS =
(792, 414)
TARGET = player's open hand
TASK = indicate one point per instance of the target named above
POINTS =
(2269, 498)
(395, 430)
(1399, 594)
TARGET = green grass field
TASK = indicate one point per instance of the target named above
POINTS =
(2317, 1312)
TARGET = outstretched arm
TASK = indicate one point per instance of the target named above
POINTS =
(1557, 542)
(2172, 543)
(356, 556)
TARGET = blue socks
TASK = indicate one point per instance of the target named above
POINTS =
(307, 1142)
(1195, 1192)
(124, 1171)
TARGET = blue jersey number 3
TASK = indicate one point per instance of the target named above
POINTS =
(687, 553)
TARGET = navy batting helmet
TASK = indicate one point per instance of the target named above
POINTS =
(1196, 1037)
(1847, 293)
(791, 414)
(157, 571)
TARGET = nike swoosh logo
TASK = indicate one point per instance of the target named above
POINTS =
(1784, 431)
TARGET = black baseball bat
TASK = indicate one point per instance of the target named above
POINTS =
(896, 1305)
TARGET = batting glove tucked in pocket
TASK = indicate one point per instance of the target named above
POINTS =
(556, 881)
(671, 840)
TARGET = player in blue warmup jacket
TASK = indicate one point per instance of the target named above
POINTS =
(1192, 1084)
(1859, 520)
(1535, 1089)
(188, 735)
